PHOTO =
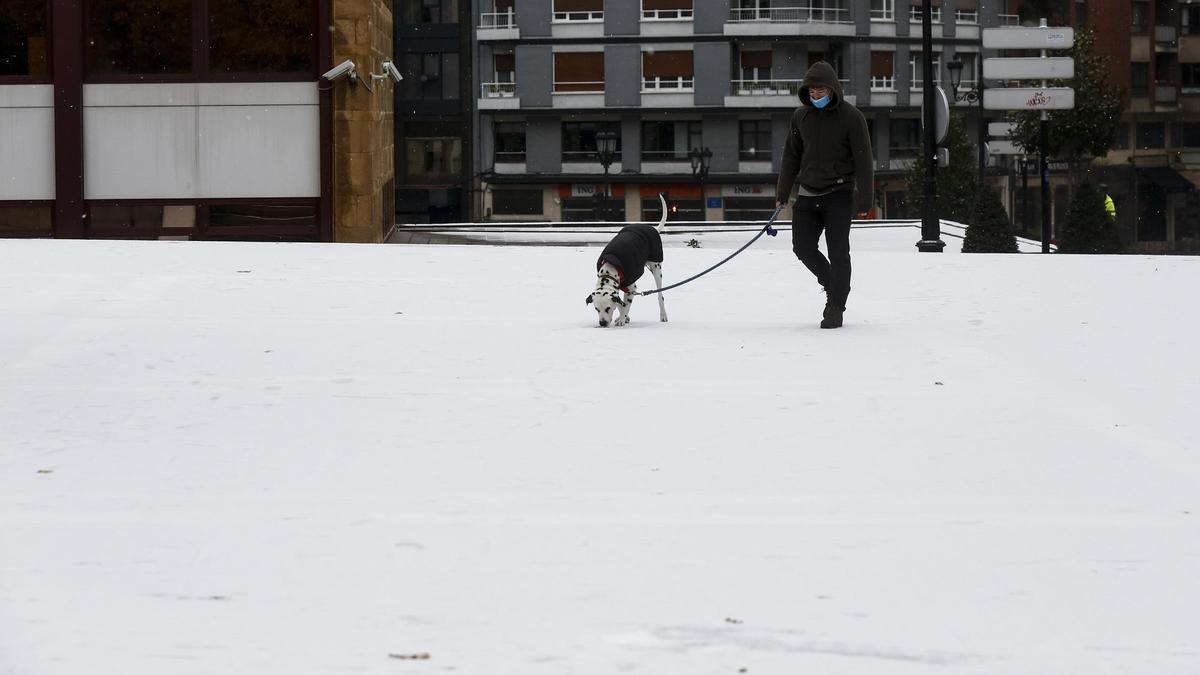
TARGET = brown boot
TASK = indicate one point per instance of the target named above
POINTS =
(833, 316)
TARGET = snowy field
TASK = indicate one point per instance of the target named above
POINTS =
(291, 458)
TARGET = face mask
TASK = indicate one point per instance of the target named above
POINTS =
(821, 102)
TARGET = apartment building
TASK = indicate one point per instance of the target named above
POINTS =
(677, 84)
(1153, 171)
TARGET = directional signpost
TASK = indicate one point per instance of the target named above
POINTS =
(1041, 97)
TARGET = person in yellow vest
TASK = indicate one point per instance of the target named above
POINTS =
(1109, 207)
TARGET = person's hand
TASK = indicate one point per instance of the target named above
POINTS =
(779, 204)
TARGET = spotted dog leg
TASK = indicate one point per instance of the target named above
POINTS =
(623, 309)
(656, 270)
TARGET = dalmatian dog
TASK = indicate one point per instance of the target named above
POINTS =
(636, 248)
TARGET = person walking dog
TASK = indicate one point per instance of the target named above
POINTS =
(827, 157)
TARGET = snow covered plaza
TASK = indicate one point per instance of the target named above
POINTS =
(310, 458)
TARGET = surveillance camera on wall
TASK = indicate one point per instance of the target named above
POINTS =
(390, 69)
(343, 69)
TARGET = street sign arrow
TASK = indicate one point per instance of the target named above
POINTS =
(1029, 68)
(1029, 98)
(1028, 38)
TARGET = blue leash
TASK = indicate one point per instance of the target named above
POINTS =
(767, 229)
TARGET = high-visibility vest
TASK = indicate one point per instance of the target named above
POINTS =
(1110, 207)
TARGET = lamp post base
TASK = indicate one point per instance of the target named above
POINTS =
(931, 246)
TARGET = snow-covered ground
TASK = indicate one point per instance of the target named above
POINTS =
(290, 458)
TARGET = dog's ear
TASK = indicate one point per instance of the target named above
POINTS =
(588, 301)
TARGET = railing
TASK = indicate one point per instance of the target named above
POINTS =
(510, 157)
(883, 83)
(917, 14)
(579, 17)
(578, 87)
(1166, 93)
(667, 14)
(676, 83)
(585, 156)
(492, 20)
(766, 87)
(966, 16)
(665, 156)
(1010, 20)
(754, 155)
(1164, 33)
(499, 89)
(791, 15)
(883, 14)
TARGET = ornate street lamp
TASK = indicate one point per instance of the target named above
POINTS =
(606, 152)
(973, 96)
(700, 158)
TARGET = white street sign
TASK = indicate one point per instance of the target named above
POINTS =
(941, 114)
(1029, 98)
(1000, 129)
(1003, 148)
(1028, 38)
(1029, 68)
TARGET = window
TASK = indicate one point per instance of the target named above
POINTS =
(589, 11)
(883, 71)
(1139, 79)
(26, 221)
(596, 208)
(883, 10)
(1081, 14)
(153, 38)
(431, 76)
(1151, 135)
(504, 16)
(23, 38)
(265, 222)
(517, 202)
(966, 11)
(916, 13)
(667, 71)
(1191, 19)
(504, 84)
(578, 72)
(679, 208)
(510, 141)
(261, 36)
(428, 11)
(1121, 140)
(1190, 77)
(1140, 17)
(426, 158)
(141, 221)
(669, 141)
(916, 67)
(969, 70)
(579, 140)
(756, 65)
(666, 10)
(904, 140)
(754, 140)
(749, 208)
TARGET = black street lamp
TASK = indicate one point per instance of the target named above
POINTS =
(700, 160)
(931, 232)
(973, 96)
(606, 152)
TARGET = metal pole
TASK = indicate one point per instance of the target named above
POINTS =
(1044, 167)
(982, 124)
(931, 230)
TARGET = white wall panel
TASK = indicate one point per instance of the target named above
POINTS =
(201, 141)
(27, 142)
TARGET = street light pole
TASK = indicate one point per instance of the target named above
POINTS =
(974, 95)
(931, 234)
(700, 159)
(606, 151)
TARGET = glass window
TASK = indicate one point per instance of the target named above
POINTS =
(428, 11)
(1151, 135)
(510, 141)
(678, 209)
(669, 140)
(140, 37)
(883, 10)
(23, 38)
(261, 36)
(579, 140)
(517, 202)
(26, 221)
(1139, 79)
(263, 222)
(433, 157)
(905, 137)
(1190, 134)
(593, 209)
(431, 76)
(1139, 17)
(749, 208)
(916, 65)
(754, 140)
(1190, 77)
(883, 71)
(1121, 140)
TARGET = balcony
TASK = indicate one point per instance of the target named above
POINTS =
(1009, 20)
(1166, 93)
(1165, 38)
(497, 26)
(771, 93)
(576, 94)
(675, 91)
(785, 21)
(499, 96)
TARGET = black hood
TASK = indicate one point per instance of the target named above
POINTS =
(822, 74)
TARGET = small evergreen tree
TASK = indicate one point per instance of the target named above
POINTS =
(955, 183)
(1088, 228)
(988, 231)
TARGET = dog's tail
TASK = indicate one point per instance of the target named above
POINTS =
(662, 222)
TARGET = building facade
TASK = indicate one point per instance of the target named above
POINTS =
(194, 119)
(669, 76)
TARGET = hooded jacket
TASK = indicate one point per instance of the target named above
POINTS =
(629, 251)
(828, 149)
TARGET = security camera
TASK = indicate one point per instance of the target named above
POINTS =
(343, 69)
(390, 69)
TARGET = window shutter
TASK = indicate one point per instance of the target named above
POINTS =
(667, 64)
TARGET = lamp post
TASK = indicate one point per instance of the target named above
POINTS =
(931, 235)
(606, 152)
(973, 96)
(700, 160)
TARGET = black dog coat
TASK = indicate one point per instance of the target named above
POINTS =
(630, 250)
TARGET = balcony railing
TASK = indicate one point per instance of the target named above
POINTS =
(966, 16)
(579, 87)
(499, 89)
(883, 14)
(880, 83)
(1164, 34)
(1166, 93)
(579, 17)
(791, 15)
(1010, 20)
(766, 87)
(511, 157)
(493, 20)
(665, 156)
(916, 14)
(668, 84)
(667, 14)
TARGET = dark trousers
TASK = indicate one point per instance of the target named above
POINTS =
(830, 214)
